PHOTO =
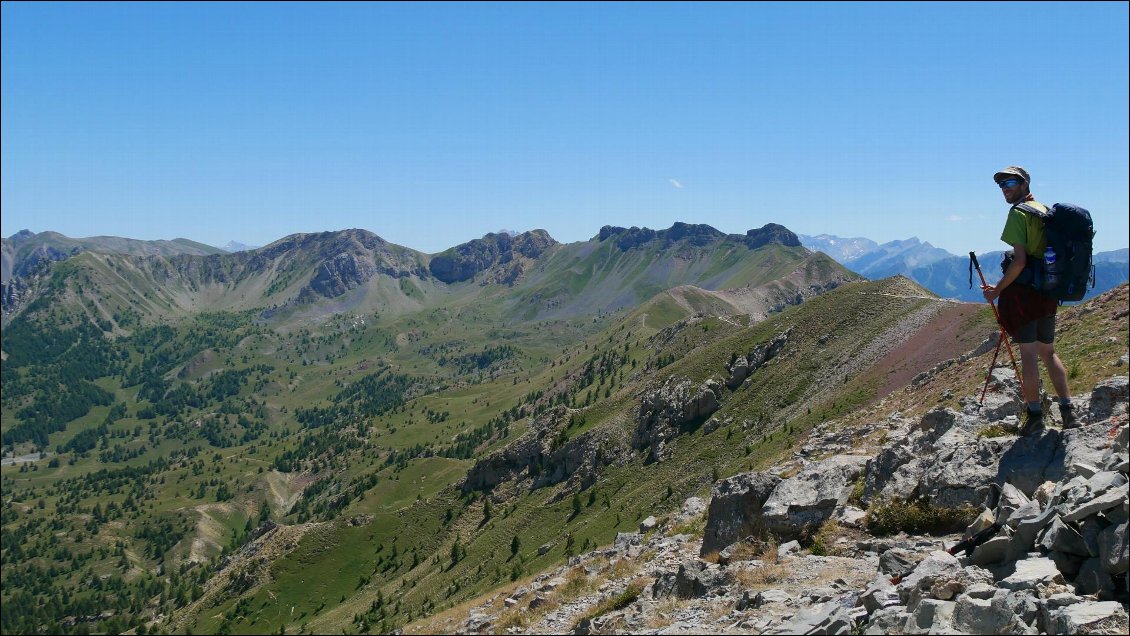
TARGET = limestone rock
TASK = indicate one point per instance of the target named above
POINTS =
(1113, 550)
(666, 411)
(735, 509)
(1031, 573)
(1082, 618)
(1110, 397)
(810, 497)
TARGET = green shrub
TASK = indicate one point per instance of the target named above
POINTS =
(996, 430)
(917, 518)
(622, 600)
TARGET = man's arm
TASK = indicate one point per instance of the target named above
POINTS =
(1019, 259)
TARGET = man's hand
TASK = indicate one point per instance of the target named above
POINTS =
(990, 292)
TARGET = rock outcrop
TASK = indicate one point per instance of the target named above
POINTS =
(675, 407)
(511, 253)
(540, 458)
(741, 367)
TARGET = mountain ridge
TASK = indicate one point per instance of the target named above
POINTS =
(357, 268)
(407, 459)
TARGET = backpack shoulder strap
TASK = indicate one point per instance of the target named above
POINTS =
(1034, 210)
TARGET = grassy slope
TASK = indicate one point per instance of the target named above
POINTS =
(408, 504)
(758, 436)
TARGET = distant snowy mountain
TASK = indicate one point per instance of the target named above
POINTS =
(943, 273)
(235, 246)
(840, 249)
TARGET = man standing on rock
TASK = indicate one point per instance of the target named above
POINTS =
(1026, 314)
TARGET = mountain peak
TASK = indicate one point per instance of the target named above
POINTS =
(236, 246)
(463, 262)
(771, 233)
(697, 234)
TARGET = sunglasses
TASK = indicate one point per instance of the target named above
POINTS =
(1009, 183)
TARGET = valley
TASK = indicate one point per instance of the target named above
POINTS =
(329, 434)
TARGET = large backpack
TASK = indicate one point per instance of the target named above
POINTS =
(1069, 231)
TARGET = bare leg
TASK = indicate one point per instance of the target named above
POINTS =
(1055, 369)
(1030, 370)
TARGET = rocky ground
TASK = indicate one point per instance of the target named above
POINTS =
(1054, 558)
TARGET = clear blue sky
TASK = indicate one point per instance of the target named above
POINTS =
(433, 124)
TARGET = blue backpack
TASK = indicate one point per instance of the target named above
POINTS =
(1066, 268)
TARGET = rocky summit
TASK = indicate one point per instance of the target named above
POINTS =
(1046, 552)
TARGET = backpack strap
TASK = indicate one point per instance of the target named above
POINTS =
(1033, 210)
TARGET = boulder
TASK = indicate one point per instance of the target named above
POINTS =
(1068, 564)
(1031, 573)
(735, 509)
(979, 616)
(648, 524)
(1020, 604)
(992, 551)
(625, 539)
(888, 620)
(1060, 537)
(812, 495)
(1086, 446)
(693, 580)
(785, 549)
(1084, 617)
(918, 583)
(1032, 460)
(692, 508)
(898, 562)
(1024, 536)
(1010, 500)
(932, 616)
(878, 595)
(1114, 554)
(825, 618)
(1109, 397)
(1109, 499)
(743, 366)
(1092, 579)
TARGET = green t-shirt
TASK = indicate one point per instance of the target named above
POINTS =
(1026, 229)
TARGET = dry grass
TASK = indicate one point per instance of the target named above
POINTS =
(513, 617)
(824, 540)
(718, 609)
(694, 527)
(764, 550)
(665, 611)
(521, 616)
(762, 576)
(624, 568)
(577, 582)
(618, 602)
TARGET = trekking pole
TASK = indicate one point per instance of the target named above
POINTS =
(1003, 337)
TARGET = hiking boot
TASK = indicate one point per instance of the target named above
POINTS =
(1067, 413)
(1033, 422)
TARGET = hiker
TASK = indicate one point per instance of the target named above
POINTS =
(1026, 314)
